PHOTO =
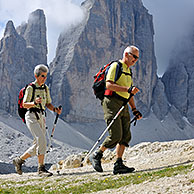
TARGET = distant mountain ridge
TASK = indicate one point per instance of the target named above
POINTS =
(179, 78)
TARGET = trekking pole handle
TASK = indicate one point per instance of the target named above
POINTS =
(40, 103)
(57, 116)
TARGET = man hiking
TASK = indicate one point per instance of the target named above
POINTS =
(116, 94)
(35, 119)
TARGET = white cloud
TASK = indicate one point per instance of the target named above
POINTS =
(60, 14)
(173, 19)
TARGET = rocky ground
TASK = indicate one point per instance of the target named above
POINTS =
(145, 157)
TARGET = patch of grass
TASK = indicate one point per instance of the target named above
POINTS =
(85, 185)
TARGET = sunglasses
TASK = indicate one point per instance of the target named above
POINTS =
(43, 75)
(134, 56)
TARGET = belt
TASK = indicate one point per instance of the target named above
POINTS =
(120, 97)
(36, 110)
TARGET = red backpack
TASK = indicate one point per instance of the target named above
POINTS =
(99, 85)
(21, 110)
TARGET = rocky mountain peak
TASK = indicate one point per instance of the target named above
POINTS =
(38, 14)
(35, 34)
(21, 50)
(108, 28)
(10, 29)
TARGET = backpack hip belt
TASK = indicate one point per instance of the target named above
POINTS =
(114, 94)
(36, 111)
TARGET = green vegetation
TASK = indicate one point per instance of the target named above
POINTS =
(86, 183)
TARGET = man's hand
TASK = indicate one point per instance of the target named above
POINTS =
(137, 114)
(133, 90)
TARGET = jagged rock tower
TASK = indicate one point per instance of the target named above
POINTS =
(20, 51)
(108, 27)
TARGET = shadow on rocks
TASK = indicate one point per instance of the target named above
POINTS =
(8, 168)
(168, 166)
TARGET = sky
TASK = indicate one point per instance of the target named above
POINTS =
(172, 20)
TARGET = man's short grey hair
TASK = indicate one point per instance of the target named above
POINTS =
(40, 69)
(129, 49)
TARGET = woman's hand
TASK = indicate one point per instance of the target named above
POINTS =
(58, 110)
(38, 100)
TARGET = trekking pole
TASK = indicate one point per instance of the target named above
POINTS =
(53, 130)
(134, 119)
(107, 128)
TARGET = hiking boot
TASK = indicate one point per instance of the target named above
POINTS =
(18, 164)
(43, 172)
(120, 168)
(95, 159)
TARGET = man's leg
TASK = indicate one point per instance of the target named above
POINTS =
(110, 141)
(120, 150)
(115, 131)
(96, 159)
(119, 167)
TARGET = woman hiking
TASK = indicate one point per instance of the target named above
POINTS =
(35, 120)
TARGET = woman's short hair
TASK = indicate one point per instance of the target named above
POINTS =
(40, 69)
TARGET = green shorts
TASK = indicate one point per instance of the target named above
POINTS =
(119, 132)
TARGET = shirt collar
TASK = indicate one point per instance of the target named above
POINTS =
(125, 65)
(37, 85)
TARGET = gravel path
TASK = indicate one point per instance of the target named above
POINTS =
(144, 157)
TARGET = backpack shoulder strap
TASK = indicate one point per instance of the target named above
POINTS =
(33, 91)
(45, 87)
(130, 74)
(34, 88)
(119, 70)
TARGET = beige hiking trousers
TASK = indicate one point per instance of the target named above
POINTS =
(38, 131)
